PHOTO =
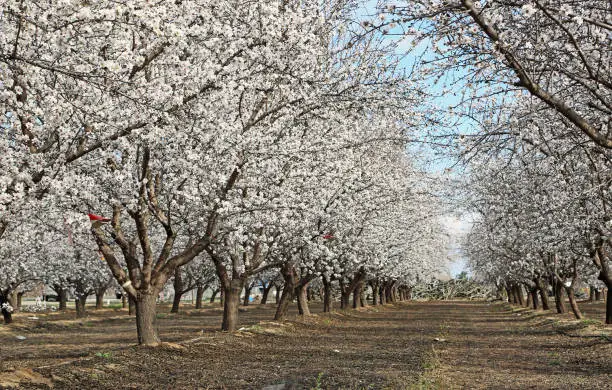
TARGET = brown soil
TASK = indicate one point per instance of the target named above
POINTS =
(479, 345)
(500, 347)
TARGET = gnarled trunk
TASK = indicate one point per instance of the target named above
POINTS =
(573, 303)
(176, 301)
(519, 294)
(247, 294)
(302, 295)
(362, 300)
(374, 286)
(100, 298)
(265, 293)
(286, 298)
(345, 295)
(214, 295)
(529, 299)
(79, 304)
(356, 297)
(132, 306)
(559, 298)
(177, 284)
(62, 296)
(542, 288)
(63, 299)
(289, 289)
(19, 298)
(6, 312)
(231, 302)
(7, 316)
(508, 294)
(199, 296)
(277, 293)
(146, 316)
(609, 306)
(601, 259)
(534, 298)
(327, 294)
(389, 293)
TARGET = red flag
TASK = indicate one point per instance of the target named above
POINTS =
(328, 236)
(93, 217)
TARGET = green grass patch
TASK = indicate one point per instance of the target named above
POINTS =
(104, 355)
(590, 321)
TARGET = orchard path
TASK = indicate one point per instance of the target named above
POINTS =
(491, 346)
(485, 346)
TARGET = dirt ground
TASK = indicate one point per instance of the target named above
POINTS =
(413, 345)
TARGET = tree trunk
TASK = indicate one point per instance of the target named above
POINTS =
(199, 296)
(132, 306)
(247, 295)
(573, 303)
(534, 298)
(528, 293)
(362, 300)
(598, 295)
(146, 315)
(12, 298)
(19, 297)
(609, 306)
(515, 299)
(265, 293)
(100, 299)
(124, 302)
(529, 299)
(389, 293)
(63, 298)
(214, 295)
(519, 294)
(374, 286)
(356, 297)
(231, 302)
(177, 284)
(302, 295)
(79, 304)
(283, 304)
(176, 301)
(559, 298)
(345, 296)
(222, 298)
(381, 294)
(327, 295)
(6, 314)
(542, 287)
(591, 294)
(277, 293)
(508, 294)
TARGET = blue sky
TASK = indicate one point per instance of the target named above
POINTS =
(457, 225)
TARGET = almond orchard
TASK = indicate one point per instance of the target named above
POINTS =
(224, 168)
